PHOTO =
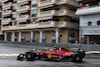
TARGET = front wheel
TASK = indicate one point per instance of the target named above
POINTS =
(77, 58)
(30, 56)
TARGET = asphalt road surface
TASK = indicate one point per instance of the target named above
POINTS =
(10, 61)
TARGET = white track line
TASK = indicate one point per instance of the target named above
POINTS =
(92, 52)
(9, 54)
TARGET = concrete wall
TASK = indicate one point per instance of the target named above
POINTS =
(49, 35)
(64, 37)
(37, 36)
(86, 47)
(63, 7)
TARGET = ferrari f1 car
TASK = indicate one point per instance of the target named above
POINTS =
(53, 54)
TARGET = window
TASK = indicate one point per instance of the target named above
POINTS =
(15, 1)
(34, 5)
(73, 34)
(14, 15)
(34, 13)
(14, 8)
(89, 23)
(35, 2)
(15, 23)
(98, 22)
(53, 34)
(53, 37)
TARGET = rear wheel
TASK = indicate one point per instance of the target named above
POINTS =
(77, 58)
(30, 56)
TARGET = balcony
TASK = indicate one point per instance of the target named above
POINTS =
(46, 3)
(24, 8)
(7, 5)
(24, 17)
(4, 0)
(70, 2)
(6, 21)
(57, 13)
(58, 2)
(30, 26)
(88, 10)
(7, 12)
(46, 13)
(38, 25)
(72, 25)
(62, 24)
(20, 1)
(66, 12)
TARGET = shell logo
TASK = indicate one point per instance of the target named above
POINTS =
(49, 56)
(41, 53)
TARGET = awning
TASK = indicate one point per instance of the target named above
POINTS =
(45, 18)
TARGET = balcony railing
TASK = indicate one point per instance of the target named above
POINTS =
(7, 12)
(30, 26)
(6, 21)
(66, 12)
(38, 25)
(71, 24)
(20, 1)
(62, 24)
(88, 10)
(89, 7)
(24, 17)
(48, 2)
(23, 8)
(57, 13)
(70, 2)
(7, 5)
(3, 1)
(46, 13)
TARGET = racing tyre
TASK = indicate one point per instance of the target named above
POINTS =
(77, 58)
(20, 57)
(30, 56)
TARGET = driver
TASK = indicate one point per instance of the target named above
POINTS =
(56, 48)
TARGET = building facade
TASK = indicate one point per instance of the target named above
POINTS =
(42, 21)
(1, 35)
(89, 13)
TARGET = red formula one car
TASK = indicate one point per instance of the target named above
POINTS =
(53, 54)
